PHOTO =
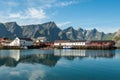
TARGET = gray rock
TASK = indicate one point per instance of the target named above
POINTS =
(52, 32)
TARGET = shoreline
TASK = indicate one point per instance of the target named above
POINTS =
(90, 48)
(60, 47)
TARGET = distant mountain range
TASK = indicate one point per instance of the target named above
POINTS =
(52, 32)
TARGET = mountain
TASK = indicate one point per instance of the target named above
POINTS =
(116, 37)
(109, 36)
(94, 35)
(51, 31)
(31, 30)
(14, 29)
(80, 34)
(69, 33)
(3, 31)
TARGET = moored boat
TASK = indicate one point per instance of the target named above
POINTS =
(67, 47)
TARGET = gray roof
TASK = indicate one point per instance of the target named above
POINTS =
(27, 39)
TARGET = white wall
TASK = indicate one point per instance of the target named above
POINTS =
(26, 43)
(70, 44)
(18, 42)
(56, 44)
(15, 42)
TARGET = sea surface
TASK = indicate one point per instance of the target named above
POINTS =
(64, 64)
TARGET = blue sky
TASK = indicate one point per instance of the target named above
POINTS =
(103, 15)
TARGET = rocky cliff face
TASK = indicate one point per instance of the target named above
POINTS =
(4, 32)
(69, 33)
(116, 37)
(94, 35)
(81, 34)
(14, 29)
(51, 31)
(31, 30)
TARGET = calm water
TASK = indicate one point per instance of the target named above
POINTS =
(59, 64)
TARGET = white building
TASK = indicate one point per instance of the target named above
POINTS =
(22, 42)
(69, 43)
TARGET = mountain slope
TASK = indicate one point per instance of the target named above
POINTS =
(116, 37)
(51, 31)
(94, 35)
(14, 28)
(31, 30)
(4, 32)
(69, 33)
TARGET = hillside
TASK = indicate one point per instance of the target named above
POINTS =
(52, 32)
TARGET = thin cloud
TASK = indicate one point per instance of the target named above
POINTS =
(9, 3)
(30, 13)
(46, 4)
(66, 3)
(60, 3)
(35, 13)
(15, 15)
(32, 10)
(63, 24)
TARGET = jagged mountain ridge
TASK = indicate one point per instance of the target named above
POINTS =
(51, 31)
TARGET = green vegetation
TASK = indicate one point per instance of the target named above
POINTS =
(108, 36)
(117, 38)
(42, 32)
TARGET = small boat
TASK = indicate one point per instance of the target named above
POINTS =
(24, 47)
(67, 47)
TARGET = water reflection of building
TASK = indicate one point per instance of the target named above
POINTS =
(69, 52)
(9, 57)
(14, 57)
(15, 54)
(85, 53)
(48, 57)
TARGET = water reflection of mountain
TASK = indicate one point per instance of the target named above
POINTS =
(48, 57)
(43, 57)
